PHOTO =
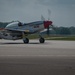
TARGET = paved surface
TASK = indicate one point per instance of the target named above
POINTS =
(50, 58)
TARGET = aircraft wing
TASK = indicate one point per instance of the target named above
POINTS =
(22, 30)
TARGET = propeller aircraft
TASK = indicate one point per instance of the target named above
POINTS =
(18, 30)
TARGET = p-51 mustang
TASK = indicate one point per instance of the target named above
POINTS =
(18, 30)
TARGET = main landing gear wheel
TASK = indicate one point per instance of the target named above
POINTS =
(26, 40)
(42, 40)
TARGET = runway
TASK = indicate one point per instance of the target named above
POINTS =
(50, 58)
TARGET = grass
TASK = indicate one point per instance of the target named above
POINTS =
(70, 38)
(35, 36)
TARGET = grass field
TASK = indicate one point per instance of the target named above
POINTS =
(72, 38)
(35, 36)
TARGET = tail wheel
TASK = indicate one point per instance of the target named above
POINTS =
(26, 40)
(42, 40)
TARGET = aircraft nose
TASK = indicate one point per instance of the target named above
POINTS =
(47, 23)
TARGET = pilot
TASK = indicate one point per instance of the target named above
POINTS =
(19, 24)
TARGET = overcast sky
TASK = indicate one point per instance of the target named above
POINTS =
(62, 11)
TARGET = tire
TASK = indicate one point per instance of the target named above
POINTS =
(26, 40)
(42, 40)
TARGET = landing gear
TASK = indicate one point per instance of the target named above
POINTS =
(26, 40)
(42, 40)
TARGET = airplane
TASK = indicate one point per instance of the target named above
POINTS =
(18, 30)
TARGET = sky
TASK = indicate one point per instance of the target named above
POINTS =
(62, 11)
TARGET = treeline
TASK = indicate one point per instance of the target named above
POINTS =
(54, 30)
(3, 24)
(63, 30)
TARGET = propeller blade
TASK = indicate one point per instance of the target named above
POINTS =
(42, 18)
(53, 27)
(48, 31)
(49, 14)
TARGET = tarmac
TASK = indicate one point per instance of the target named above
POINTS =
(50, 58)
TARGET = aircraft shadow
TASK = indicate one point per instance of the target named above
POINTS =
(19, 43)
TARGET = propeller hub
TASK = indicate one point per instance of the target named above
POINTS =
(47, 23)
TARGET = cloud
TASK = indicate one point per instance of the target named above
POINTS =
(56, 2)
(62, 11)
